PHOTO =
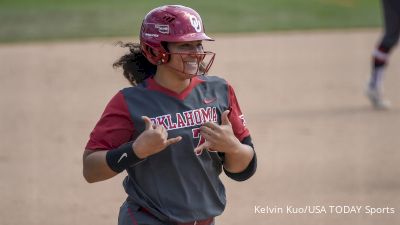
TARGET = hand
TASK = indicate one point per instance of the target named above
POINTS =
(219, 137)
(152, 140)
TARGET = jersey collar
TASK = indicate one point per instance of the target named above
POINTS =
(154, 86)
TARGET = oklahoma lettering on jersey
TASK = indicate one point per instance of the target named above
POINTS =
(189, 118)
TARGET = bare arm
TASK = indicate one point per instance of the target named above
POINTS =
(95, 167)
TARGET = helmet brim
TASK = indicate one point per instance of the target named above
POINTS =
(189, 37)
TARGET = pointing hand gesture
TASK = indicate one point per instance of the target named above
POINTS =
(152, 140)
(218, 137)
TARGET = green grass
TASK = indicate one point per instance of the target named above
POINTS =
(31, 20)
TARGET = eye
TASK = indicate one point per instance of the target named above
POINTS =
(192, 46)
(183, 47)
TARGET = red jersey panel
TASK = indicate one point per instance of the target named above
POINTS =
(114, 128)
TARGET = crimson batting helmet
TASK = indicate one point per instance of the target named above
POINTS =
(171, 23)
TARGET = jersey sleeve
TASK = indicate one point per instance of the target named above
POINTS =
(236, 116)
(114, 128)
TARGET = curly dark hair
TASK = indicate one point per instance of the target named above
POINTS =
(136, 68)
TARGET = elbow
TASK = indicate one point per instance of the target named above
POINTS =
(88, 170)
(90, 179)
(89, 175)
(92, 176)
(245, 174)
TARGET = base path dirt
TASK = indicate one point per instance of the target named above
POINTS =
(320, 145)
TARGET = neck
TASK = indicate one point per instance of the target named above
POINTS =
(171, 81)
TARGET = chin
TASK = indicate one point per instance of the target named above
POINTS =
(189, 76)
(186, 76)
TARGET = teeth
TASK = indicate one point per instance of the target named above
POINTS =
(192, 63)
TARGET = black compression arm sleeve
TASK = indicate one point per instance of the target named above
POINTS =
(121, 158)
(250, 169)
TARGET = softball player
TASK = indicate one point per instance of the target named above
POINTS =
(391, 12)
(174, 131)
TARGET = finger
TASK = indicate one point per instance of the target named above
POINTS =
(147, 122)
(207, 130)
(164, 132)
(224, 118)
(201, 147)
(158, 127)
(173, 140)
(211, 125)
(209, 137)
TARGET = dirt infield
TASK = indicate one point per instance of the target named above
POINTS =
(318, 141)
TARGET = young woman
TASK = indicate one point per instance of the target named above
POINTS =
(174, 131)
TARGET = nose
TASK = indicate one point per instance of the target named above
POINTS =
(198, 56)
(199, 49)
(196, 51)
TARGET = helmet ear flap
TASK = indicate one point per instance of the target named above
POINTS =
(156, 56)
(164, 58)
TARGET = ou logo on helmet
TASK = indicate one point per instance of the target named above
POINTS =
(196, 23)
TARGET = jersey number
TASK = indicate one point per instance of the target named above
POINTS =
(197, 135)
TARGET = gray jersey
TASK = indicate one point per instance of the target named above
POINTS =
(177, 184)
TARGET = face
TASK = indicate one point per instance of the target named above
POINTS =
(186, 56)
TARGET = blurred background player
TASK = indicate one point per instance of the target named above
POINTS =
(391, 14)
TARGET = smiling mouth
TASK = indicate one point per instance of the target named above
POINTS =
(191, 67)
(191, 63)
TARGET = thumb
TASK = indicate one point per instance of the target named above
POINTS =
(224, 118)
(147, 122)
(173, 140)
